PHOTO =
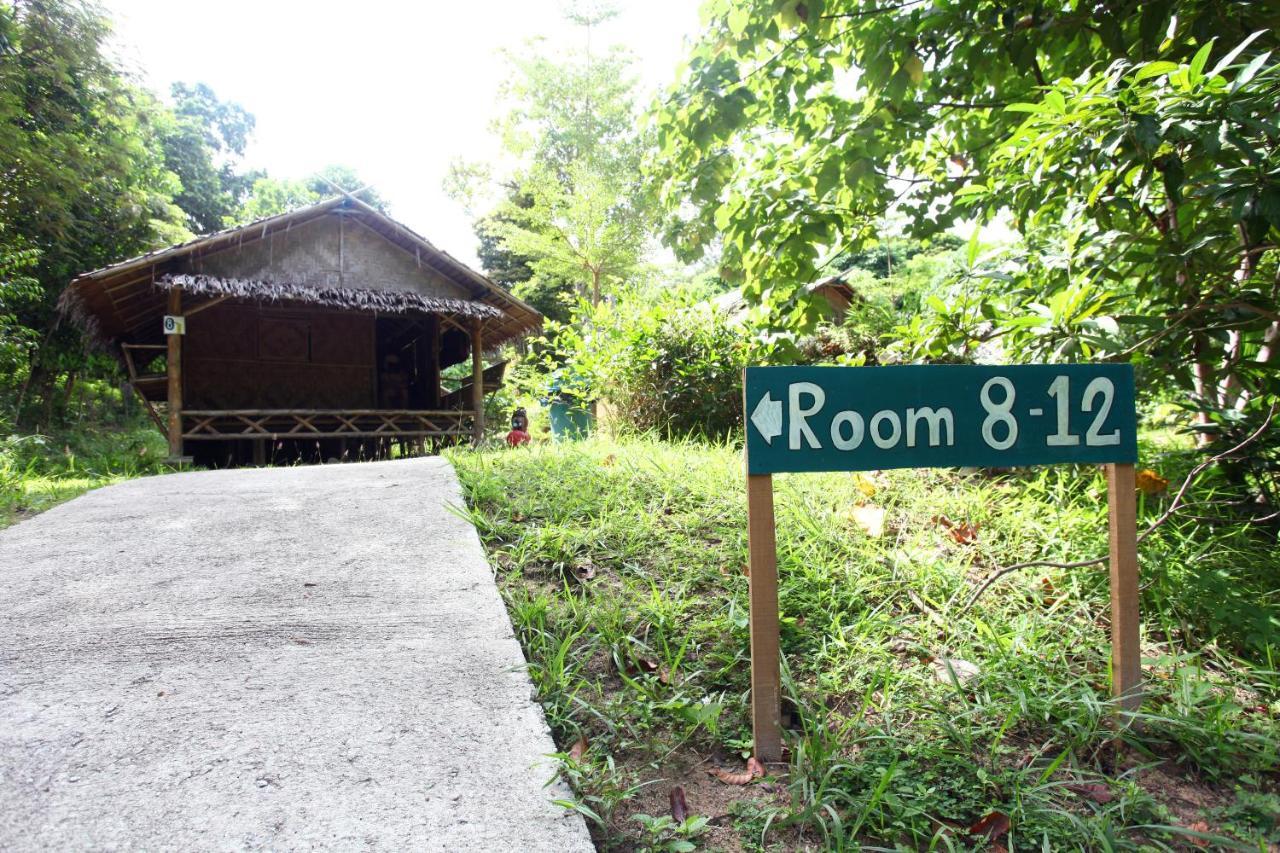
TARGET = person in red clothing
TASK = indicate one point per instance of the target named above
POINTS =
(519, 429)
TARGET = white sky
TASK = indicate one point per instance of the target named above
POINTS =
(396, 90)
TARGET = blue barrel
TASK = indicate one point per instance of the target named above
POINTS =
(569, 421)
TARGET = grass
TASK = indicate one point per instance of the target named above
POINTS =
(622, 564)
(96, 446)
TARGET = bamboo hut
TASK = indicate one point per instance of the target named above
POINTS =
(319, 333)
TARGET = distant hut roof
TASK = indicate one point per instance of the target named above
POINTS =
(835, 290)
(125, 300)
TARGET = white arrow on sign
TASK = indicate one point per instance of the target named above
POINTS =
(767, 418)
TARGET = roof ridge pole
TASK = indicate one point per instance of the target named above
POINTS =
(350, 194)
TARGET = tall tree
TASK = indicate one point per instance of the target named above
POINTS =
(574, 213)
(203, 145)
(580, 228)
(84, 176)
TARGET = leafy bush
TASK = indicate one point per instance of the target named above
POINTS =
(672, 367)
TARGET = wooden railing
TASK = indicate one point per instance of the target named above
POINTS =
(491, 382)
(275, 424)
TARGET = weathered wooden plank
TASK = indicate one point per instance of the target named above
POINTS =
(1126, 644)
(766, 682)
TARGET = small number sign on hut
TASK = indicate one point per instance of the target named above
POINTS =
(857, 419)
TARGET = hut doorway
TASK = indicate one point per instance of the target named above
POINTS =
(407, 356)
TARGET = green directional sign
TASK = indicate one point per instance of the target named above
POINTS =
(931, 416)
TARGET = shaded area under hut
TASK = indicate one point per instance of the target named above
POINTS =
(318, 334)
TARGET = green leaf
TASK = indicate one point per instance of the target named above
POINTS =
(971, 251)
(829, 175)
(1269, 205)
(1248, 72)
(971, 189)
(1198, 63)
(739, 17)
(1225, 62)
(1154, 69)
(1104, 180)
(1146, 132)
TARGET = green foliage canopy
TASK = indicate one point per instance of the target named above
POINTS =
(1133, 145)
(202, 146)
(83, 172)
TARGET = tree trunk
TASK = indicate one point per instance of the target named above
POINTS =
(595, 288)
(46, 400)
(37, 374)
(33, 367)
(1230, 392)
(1202, 382)
(1201, 371)
(67, 390)
(1270, 343)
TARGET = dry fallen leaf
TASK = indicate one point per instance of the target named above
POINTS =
(755, 770)
(679, 808)
(961, 531)
(1150, 483)
(954, 670)
(1098, 793)
(633, 667)
(651, 666)
(870, 518)
(990, 826)
(609, 460)
(579, 748)
(1199, 826)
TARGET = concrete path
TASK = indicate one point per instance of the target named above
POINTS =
(283, 658)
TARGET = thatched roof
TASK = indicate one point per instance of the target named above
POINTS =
(357, 299)
(124, 302)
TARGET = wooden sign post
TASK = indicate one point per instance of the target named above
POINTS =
(766, 678)
(1126, 648)
(933, 416)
